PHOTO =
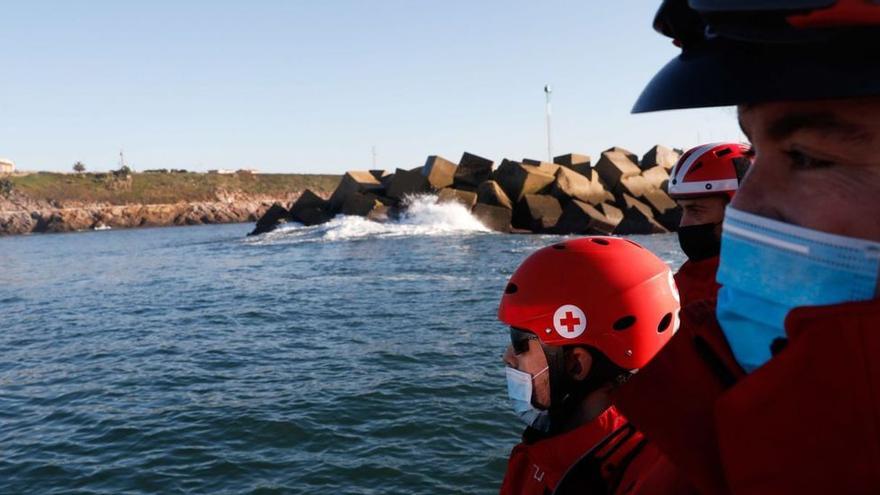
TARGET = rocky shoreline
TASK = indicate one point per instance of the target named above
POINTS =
(20, 214)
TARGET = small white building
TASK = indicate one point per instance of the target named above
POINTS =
(221, 171)
(7, 166)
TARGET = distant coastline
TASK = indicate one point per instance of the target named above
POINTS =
(48, 202)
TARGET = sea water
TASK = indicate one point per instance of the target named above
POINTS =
(352, 357)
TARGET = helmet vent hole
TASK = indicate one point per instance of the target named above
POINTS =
(601, 242)
(559, 246)
(664, 323)
(511, 289)
(624, 323)
(724, 152)
(697, 166)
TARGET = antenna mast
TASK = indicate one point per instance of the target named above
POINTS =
(547, 92)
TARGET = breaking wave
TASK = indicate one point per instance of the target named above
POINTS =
(423, 216)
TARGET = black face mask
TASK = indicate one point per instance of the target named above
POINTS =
(699, 242)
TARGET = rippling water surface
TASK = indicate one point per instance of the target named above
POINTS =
(347, 358)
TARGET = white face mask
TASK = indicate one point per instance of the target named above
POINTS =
(519, 390)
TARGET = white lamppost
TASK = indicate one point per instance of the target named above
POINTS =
(547, 92)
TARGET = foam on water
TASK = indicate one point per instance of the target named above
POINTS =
(423, 217)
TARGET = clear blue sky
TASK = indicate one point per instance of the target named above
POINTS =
(296, 86)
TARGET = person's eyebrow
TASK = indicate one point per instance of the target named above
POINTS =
(823, 122)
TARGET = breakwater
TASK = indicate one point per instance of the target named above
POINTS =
(620, 194)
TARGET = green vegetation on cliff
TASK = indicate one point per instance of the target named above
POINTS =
(163, 188)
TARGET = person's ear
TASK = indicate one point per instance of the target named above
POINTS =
(578, 363)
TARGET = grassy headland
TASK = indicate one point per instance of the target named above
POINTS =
(55, 202)
(162, 188)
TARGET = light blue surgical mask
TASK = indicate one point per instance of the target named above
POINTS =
(769, 268)
(519, 390)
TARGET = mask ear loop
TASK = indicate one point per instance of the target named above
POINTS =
(536, 375)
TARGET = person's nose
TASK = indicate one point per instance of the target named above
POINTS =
(509, 358)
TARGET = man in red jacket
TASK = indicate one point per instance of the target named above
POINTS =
(703, 182)
(583, 315)
(777, 389)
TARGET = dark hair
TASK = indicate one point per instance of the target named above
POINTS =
(602, 372)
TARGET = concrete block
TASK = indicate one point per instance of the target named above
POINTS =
(274, 216)
(406, 183)
(360, 204)
(581, 164)
(615, 164)
(638, 218)
(380, 174)
(636, 186)
(582, 218)
(537, 212)
(612, 212)
(310, 209)
(660, 156)
(450, 195)
(351, 182)
(666, 211)
(491, 193)
(656, 176)
(472, 171)
(517, 179)
(569, 184)
(439, 171)
(546, 167)
(493, 217)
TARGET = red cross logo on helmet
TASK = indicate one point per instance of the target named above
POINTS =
(569, 321)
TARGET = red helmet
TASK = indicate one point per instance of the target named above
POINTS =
(605, 292)
(715, 168)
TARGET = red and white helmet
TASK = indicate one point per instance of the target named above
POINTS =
(715, 168)
(605, 292)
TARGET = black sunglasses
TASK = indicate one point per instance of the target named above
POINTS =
(519, 340)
